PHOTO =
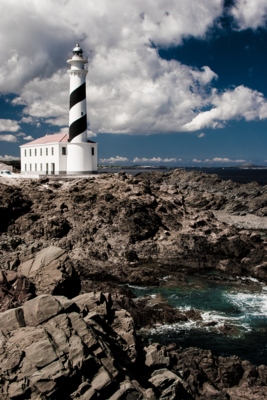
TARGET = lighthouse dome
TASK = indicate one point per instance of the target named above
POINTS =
(77, 51)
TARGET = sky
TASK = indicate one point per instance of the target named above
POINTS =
(170, 82)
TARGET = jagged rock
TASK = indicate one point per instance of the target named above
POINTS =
(63, 349)
(156, 356)
(59, 354)
(160, 219)
(52, 271)
(167, 383)
(15, 289)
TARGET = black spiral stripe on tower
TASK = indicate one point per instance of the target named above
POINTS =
(77, 95)
(77, 127)
(80, 125)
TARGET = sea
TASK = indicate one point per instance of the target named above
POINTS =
(239, 175)
(234, 317)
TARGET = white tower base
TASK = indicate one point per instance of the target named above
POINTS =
(82, 158)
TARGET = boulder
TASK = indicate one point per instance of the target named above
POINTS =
(15, 289)
(156, 356)
(52, 271)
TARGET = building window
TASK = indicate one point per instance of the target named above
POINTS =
(52, 151)
(35, 152)
(35, 167)
(41, 167)
(30, 152)
(25, 152)
(25, 167)
(64, 151)
(93, 151)
(46, 151)
(30, 167)
(41, 151)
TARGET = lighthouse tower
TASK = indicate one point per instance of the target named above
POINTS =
(82, 157)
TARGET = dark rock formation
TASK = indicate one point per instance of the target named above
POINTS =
(88, 237)
(120, 228)
(52, 271)
(15, 289)
(53, 347)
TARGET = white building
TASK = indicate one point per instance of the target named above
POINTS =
(64, 153)
(49, 155)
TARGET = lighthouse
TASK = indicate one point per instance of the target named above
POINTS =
(77, 110)
(62, 153)
(81, 152)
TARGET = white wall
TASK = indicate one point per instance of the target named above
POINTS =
(78, 158)
(37, 157)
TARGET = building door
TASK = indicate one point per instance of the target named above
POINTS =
(46, 168)
(52, 168)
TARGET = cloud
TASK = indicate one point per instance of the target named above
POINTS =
(201, 135)
(8, 138)
(113, 160)
(221, 160)
(20, 134)
(155, 160)
(91, 134)
(130, 88)
(8, 158)
(250, 14)
(27, 120)
(8, 125)
(241, 102)
(29, 137)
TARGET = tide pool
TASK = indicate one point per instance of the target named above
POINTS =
(234, 318)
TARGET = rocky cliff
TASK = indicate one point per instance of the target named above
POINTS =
(67, 323)
(113, 225)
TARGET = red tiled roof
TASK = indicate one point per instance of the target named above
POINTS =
(56, 138)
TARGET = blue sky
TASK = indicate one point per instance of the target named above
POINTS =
(173, 83)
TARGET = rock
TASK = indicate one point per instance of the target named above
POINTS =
(52, 272)
(61, 349)
(96, 301)
(166, 382)
(160, 219)
(40, 309)
(156, 356)
(57, 354)
(15, 289)
(12, 319)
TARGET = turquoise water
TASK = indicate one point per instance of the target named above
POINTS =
(234, 319)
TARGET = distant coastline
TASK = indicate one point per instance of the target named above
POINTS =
(244, 174)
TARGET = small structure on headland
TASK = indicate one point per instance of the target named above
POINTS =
(61, 153)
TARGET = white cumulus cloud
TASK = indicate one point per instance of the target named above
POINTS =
(8, 138)
(130, 88)
(241, 102)
(154, 160)
(8, 125)
(29, 137)
(113, 160)
(8, 158)
(221, 160)
(250, 13)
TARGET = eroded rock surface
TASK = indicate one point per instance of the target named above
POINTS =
(52, 271)
(116, 230)
(120, 227)
(15, 289)
(55, 348)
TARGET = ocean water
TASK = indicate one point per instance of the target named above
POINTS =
(234, 319)
(234, 174)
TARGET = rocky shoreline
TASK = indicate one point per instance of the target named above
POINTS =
(69, 249)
